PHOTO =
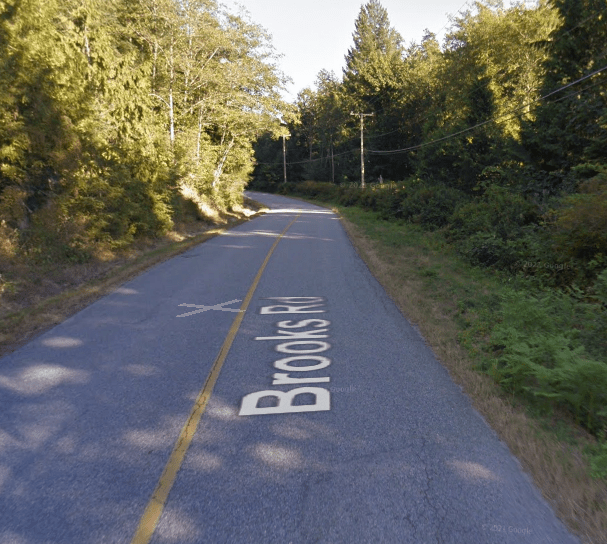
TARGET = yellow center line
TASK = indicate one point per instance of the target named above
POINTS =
(156, 504)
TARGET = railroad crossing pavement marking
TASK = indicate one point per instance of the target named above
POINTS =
(157, 502)
(205, 308)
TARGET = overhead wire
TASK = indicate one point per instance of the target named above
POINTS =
(492, 120)
(370, 103)
(558, 37)
(468, 94)
(504, 74)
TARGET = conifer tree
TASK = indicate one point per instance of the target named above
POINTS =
(374, 61)
(571, 125)
(373, 74)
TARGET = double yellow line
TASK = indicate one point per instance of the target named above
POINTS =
(157, 502)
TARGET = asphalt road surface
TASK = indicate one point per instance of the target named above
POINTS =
(330, 420)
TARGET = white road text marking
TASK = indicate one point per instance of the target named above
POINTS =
(205, 308)
(310, 345)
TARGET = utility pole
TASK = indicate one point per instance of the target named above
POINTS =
(362, 149)
(284, 156)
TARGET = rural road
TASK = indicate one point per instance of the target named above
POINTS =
(374, 444)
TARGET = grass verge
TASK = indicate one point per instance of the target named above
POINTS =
(454, 305)
(43, 303)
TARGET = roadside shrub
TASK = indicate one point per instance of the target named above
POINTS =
(310, 189)
(13, 210)
(389, 201)
(430, 205)
(349, 196)
(9, 242)
(487, 249)
(499, 211)
(288, 188)
(385, 199)
(580, 226)
(541, 354)
(536, 185)
(594, 331)
(598, 460)
(368, 199)
(56, 236)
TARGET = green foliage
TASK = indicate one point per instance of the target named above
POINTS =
(594, 316)
(569, 127)
(349, 196)
(487, 249)
(512, 169)
(598, 460)
(108, 110)
(580, 226)
(430, 205)
(496, 229)
(498, 211)
(373, 62)
(541, 353)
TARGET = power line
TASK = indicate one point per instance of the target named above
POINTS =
(468, 94)
(493, 119)
(307, 161)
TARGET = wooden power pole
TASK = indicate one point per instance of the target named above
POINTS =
(362, 147)
(284, 155)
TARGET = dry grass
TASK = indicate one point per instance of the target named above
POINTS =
(559, 469)
(41, 297)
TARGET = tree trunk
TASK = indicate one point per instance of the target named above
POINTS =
(171, 106)
(154, 67)
(199, 135)
(222, 162)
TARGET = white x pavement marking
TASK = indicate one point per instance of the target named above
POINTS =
(205, 308)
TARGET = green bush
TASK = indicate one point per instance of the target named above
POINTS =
(430, 205)
(538, 186)
(349, 196)
(487, 249)
(580, 226)
(499, 212)
(325, 192)
(541, 353)
(388, 201)
(598, 460)
(594, 332)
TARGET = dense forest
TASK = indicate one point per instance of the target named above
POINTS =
(112, 112)
(496, 140)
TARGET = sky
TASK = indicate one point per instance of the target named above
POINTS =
(316, 34)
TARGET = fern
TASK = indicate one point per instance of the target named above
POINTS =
(542, 355)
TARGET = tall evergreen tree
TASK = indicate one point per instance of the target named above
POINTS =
(571, 125)
(373, 63)
(372, 76)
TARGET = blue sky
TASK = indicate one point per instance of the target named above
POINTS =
(316, 34)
